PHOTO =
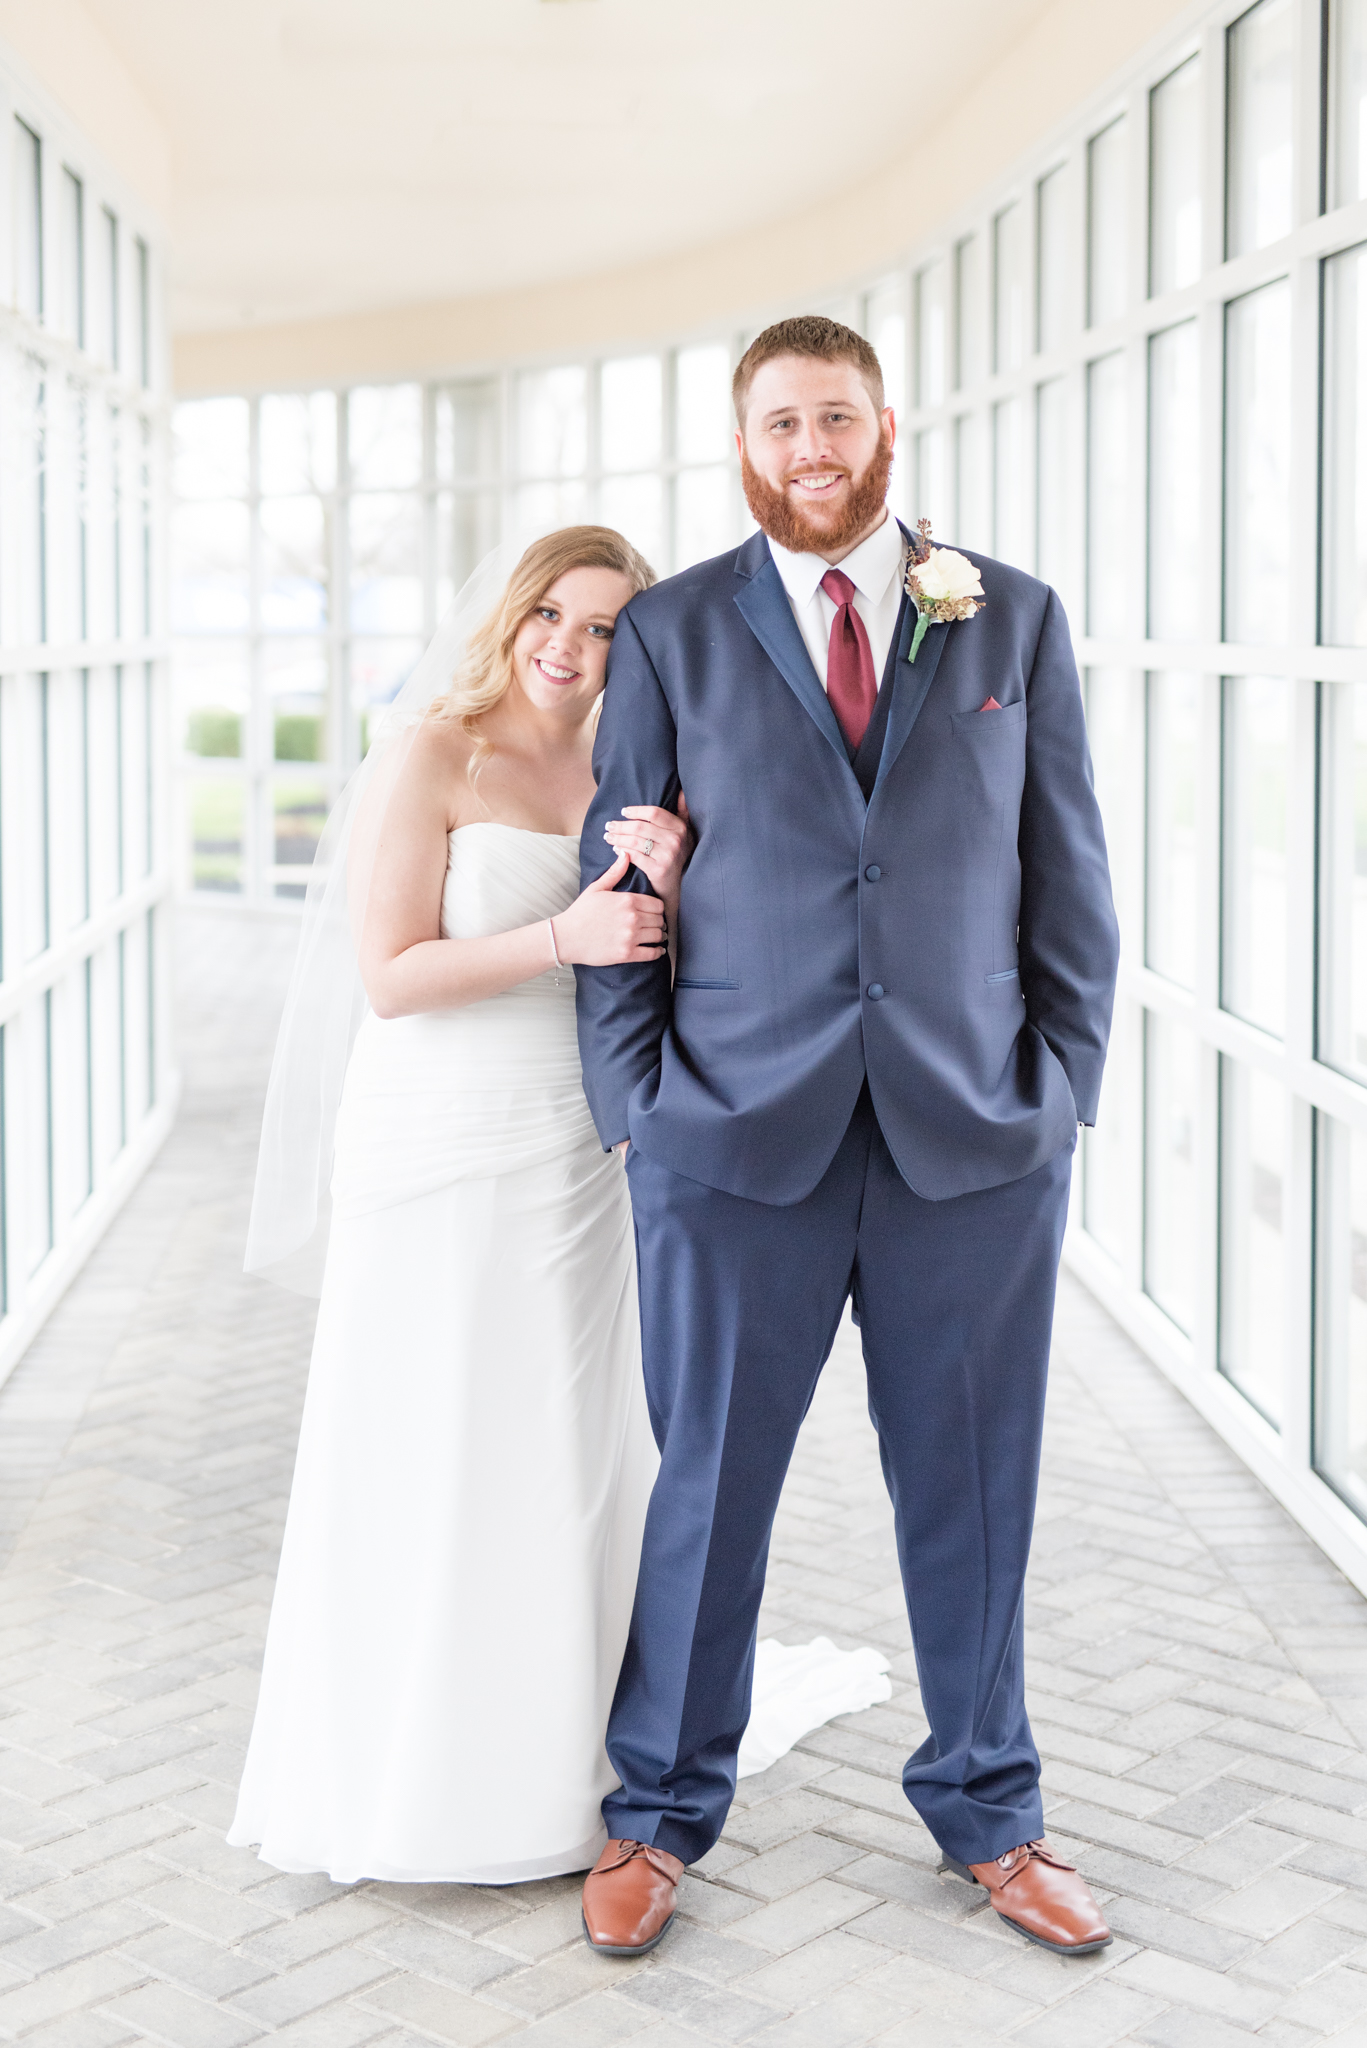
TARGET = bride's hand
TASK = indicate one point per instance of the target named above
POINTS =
(659, 843)
(604, 929)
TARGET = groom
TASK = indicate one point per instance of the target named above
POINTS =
(896, 957)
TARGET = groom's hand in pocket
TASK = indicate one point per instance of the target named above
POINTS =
(605, 927)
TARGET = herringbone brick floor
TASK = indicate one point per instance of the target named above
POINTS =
(1199, 1679)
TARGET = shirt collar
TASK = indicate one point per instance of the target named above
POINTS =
(870, 567)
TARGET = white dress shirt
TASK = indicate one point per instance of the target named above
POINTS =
(876, 568)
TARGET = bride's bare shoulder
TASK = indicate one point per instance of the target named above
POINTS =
(439, 761)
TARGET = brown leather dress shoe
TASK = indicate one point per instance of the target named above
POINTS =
(629, 1898)
(1043, 1899)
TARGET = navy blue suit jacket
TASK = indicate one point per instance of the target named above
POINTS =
(953, 938)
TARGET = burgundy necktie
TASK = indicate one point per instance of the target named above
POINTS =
(850, 683)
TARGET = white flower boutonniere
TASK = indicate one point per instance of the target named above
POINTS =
(944, 584)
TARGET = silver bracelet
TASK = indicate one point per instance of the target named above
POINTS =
(559, 963)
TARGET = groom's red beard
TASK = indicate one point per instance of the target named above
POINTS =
(814, 533)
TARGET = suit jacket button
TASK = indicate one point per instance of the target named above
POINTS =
(872, 874)
(875, 991)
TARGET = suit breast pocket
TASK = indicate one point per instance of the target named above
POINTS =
(989, 752)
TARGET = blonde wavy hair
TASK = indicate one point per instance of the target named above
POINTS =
(486, 674)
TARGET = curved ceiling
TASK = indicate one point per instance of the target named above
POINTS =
(336, 156)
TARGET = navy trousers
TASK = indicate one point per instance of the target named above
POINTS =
(740, 1302)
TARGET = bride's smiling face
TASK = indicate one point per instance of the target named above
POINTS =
(560, 654)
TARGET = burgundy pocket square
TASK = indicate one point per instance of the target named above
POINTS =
(990, 705)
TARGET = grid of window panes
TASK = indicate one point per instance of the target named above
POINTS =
(1141, 372)
(318, 536)
(84, 868)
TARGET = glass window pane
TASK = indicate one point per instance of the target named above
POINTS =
(1056, 491)
(1008, 288)
(630, 400)
(467, 527)
(295, 549)
(885, 324)
(1115, 736)
(379, 670)
(1257, 749)
(704, 418)
(635, 506)
(1174, 705)
(213, 691)
(1175, 179)
(295, 674)
(209, 568)
(1171, 1212)
(1108, 160)
(298, 442)
(1175, 532)
(217, 813)
(1051, 228)
(932, 480)
(107, 246)
(209, 448)
(972, 482)
(1258, 464)
(930, 333)
(28, 221)
(704, 519)
(1107, 1175)
(1347, 154)
(1261, 84)
(539, 507)
(970, 287)
(1254, 1150)
(1343, 870)
(1011, 537)
(1108, 526)
(386, 563)
(300, 809)
(384, 436)
(72, 256)
(467, 430)
(1344, 608)
(1341, 1303)
(144, 314)
(552, 421)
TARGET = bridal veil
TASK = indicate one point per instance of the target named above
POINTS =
(288, 1232)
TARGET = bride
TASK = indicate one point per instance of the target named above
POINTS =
(464, 1528)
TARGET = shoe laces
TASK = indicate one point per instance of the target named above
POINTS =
(654, 1857)
(1016, 1860)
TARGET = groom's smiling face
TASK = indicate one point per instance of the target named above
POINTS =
(816, 455)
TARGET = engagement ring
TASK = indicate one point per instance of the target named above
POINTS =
(649, 846)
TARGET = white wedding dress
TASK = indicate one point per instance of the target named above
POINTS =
(475, 1459)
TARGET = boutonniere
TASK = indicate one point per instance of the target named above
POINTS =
(944, 584)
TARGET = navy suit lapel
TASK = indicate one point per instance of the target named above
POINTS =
(763, 604)
(911, 683)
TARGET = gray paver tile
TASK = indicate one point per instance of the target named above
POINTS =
(1093, 2017)
(1271, 1903)
(64, 1990)
(439, 2010)
(198, 1966)
(1208, 1991)
(814, 1910)
(173, 2017)
(326, 1978)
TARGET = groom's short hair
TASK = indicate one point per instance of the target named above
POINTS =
(807, 334)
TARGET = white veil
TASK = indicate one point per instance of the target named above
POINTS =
(291, 1207)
